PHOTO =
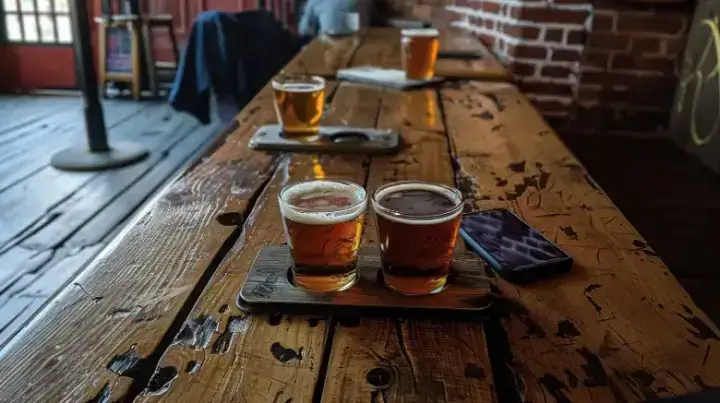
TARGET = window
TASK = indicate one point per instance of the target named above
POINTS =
(36, 21)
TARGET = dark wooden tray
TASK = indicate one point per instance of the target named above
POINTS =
(268, 288)
(330, 139)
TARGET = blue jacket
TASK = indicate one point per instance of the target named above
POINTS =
(232, 54)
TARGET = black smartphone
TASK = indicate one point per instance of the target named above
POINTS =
(514, 249)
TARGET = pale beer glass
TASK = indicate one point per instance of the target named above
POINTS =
(299, 102)
(323, 221)
(419, 52)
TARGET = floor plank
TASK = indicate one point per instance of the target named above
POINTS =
(54, 222)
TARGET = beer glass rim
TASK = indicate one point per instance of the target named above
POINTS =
(340, 214)
(283, 78)
(422, 219)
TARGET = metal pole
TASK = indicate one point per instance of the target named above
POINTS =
(98, 154)
(87, 77)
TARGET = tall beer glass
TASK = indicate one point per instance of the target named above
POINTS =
(417, 225)
(419, 52)
(299, 102)
(323, 220)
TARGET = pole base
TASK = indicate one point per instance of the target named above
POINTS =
(82, 159)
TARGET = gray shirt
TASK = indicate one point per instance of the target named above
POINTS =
(326, 17)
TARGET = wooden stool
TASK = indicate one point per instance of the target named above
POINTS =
(148, 24)
(119, 27)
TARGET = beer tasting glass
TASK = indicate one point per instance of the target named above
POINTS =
(417, 224)
(299, 102)
(323, 221)
(419, 52)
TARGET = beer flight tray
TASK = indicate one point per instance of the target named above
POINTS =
(330, 139)
(268, 288)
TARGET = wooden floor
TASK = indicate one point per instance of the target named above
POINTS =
(52, 222)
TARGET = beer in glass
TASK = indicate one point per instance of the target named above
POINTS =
(417, 224)
(420, 50)
(323, 220)
(299, 102)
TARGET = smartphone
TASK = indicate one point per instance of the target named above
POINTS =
(514, 249)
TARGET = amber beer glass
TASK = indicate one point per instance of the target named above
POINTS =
(299, 102)
(417, 225)
(420, 50)
(323, 220)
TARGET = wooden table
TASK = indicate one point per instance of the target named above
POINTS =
(381, 47)
(161, 298)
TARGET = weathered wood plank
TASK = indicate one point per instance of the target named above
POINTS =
(380, 48)
(403, 360)
(134, 291)
(619, 327)
(34, 281)
(35, 143)
(272, 358)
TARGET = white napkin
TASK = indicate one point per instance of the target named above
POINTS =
(383, 77)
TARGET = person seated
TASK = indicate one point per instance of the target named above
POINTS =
(329, 17)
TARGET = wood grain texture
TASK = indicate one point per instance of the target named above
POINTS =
(273, 358)
(619, 327)
(409, 360)
(132, 293)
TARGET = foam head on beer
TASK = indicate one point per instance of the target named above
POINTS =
(299, 102)
(323, 222)
(417, 228)
(420, 49)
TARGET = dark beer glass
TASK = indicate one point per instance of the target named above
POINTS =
(417, 224)
(323, 221)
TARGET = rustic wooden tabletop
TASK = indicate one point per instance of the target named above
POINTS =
(154, 318)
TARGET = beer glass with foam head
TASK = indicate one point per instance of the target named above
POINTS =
(323, 221)
(419, 52)
(299, 102)
(417, 224)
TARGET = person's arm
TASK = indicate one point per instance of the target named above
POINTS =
(308, 20)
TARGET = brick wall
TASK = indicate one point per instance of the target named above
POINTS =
(590, 65)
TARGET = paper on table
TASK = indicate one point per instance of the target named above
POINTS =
(383, 77)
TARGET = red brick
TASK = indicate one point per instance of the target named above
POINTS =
(523, 69)
(646, 45)
(487, 39)
(671, 25)
(634, 62)
(488, 23)
(675, 47)
(607, 41)
(595, 59)
(571, 1)
(603, 22)
(554, 35)
(545, 88)
(623, 78)
(566, 55)
(576, 37)
(550, 15)
(493, 8)
(587, 93)
(530, 52)
(556, 72)
(522, 32)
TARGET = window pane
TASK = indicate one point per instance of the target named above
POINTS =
(44, 6)
(27, 5)
(61, 6)
(12, 24)
(9, 5)
(63, 27)
(31, 33)
(47, 34)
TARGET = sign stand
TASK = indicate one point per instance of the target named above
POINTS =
(98, 154)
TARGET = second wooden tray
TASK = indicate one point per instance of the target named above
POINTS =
(268, 288)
